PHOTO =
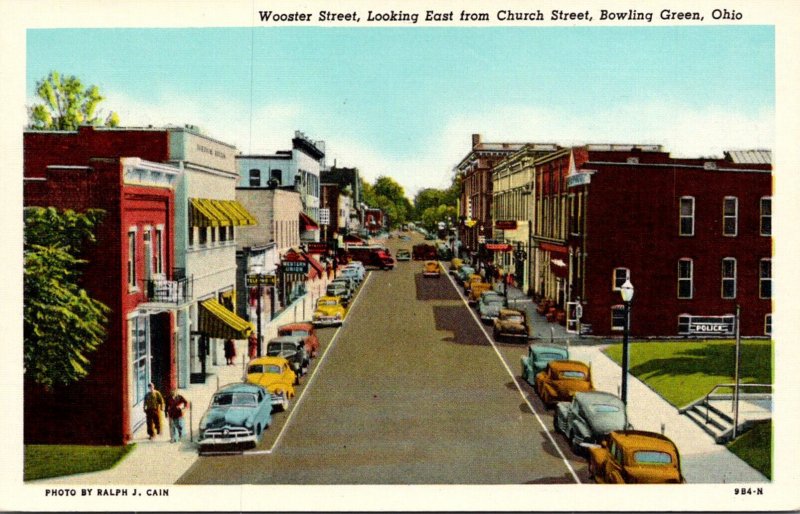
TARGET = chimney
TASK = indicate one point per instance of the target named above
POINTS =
(476, 140)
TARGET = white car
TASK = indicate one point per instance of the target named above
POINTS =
(353, 273)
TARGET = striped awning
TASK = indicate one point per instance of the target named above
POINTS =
(204, 212)
(215, 320)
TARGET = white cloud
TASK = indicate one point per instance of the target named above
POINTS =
(685, 132)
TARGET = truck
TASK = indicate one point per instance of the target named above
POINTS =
(375, 256)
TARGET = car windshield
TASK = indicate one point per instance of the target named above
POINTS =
(514, 318)
(235, 399)
(299, 333)
(275, 348)
(579, 375)
(264, 368)
(604, 409)
(550, 356)
(327, 302)
(651, 457)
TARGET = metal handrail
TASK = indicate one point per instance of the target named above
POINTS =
(721, 386)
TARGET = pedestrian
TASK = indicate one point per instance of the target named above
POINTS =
(252, 346)
(174, 409)
(230, 351)
(509, 279)
(329, 269)
(153, 405)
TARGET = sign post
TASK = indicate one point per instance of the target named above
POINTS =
(259, 280)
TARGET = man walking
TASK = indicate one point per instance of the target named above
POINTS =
(174, 409)
(153, 405)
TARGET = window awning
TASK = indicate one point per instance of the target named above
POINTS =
(215, 320)
(204, 212)
(307, 223)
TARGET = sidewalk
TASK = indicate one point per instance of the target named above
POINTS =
(702, 460)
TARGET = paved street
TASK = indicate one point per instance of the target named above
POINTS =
(409, 391)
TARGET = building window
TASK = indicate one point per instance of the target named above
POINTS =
(684, 323)
(132, 259)
(729, 278)
(255, 178)
(765, 279)
(618, 317)
(231, 233)
(213, 235)
(277, 175)
(620, 276)
(191, 236)
(140, 372)
(223, 234)
(768, 324)
(203, 236)
(766, 216)
(687, 216)
(685, 278)
(730, 216)
(158, 252)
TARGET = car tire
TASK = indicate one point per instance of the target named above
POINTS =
(285, 403)
(576, 448)
(592, 470)
(556, 424)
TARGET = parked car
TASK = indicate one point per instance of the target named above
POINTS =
(329, 311)
(238, 414)
(490, 305)
(275, 374)
(351, 273)
(511, 323)
(348, 282)
(561, 380)
(339, 289)
(475, 291)
(635, 457)
(589, 418)
(455, 263)
(403, 255)
(430, 269)
(472, 279)
(293, 349)
(423, 252)
(305, 330)
(538, 357)
(361, 271)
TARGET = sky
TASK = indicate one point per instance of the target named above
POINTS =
(404, 102)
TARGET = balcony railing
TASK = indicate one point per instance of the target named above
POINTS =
(176, 291)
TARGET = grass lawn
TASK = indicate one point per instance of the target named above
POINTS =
(750, 447)
(46, 461)
(682, 372)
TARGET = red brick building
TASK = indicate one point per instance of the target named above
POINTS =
(693, 236)
(129, 269)
(476, 190)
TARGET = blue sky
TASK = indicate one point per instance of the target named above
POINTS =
(404, 101)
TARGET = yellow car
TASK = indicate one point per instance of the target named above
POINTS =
(472, 279)
(455, 264)
(635, 457)
(430, 269)
(275, 374)
(476, 290)
(329, 311)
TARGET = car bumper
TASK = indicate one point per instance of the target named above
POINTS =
(431, 274)
(513, 334)
(219, 438)
(324, 322)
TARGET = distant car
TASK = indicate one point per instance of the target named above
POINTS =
(348, 280)
(635, 457)
(561, 380)
(404, 238)
(589, 418)
(472, 279)
(476, 290)
(352, 273)
(464, 272)
(538, 357)
(490, 305)
(403, 255)
(339, 289)
(293, 349)
(511, 323)
(306, 331)
(430, 269)
(361, 272)
(423, 252)
(275, 374)
(238, 414)
(329, 311)
(455, 263)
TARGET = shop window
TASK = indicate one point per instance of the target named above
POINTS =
(730, 216)
(687, 216)
(766, 216)
(132, 259)
(765, 279)
(685, 272)
(729, 278)
(191, 236)
(203, 236)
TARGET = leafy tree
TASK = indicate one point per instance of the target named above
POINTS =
(66, 104)
(62, 324)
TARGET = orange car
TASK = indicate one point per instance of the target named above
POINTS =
(305, 330)
(430, 269)
(635, 457)
(561, 380)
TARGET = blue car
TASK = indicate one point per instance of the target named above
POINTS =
(238, 415)
(538, 357)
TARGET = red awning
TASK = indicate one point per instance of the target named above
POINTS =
(307, 223)
(550, 247)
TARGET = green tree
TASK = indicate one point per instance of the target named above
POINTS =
(65, 104)
(62, 324)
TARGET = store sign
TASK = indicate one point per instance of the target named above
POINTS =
(260, 279)
(505, 224)
(314, 247)
(578, 179)
(499, 247)
(295, 267)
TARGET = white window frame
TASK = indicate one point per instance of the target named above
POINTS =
(763, 217)
(682, 216)
(762, 279)
(728, 279)
(132, 250)
(690, 279)
(768, 324)
(734, 216)
(616, 283)
(616, 311)
(254, 176)
(158, 250)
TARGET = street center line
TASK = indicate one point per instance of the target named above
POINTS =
(514, 379)
(313, 375)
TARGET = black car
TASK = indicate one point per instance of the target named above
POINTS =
(291, 348)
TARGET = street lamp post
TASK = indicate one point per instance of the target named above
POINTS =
(626, 291)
